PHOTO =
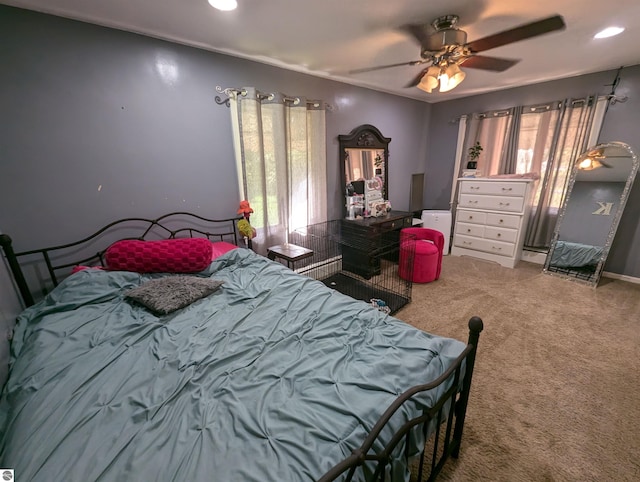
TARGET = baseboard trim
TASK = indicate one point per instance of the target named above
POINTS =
(533, 256)
(622, 277)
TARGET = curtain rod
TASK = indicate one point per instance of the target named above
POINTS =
(612, 98)
(261, 95)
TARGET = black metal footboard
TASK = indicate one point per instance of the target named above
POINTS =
(447, 416)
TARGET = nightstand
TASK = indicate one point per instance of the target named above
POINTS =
(289, 252)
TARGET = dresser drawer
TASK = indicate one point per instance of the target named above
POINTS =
(500, 188)
(395, 224)
(486, 245)
(501, 234)
(503, 220)
(495, 203)
(471, 217)
(470, 229)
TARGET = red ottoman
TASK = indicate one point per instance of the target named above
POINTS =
(420, 254)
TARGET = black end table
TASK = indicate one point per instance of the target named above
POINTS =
(289, 252)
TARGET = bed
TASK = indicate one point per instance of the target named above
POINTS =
(575, 255)
(269, 376)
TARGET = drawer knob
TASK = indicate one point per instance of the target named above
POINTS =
(468, 230)
(507, 189)
(502, 220)
(499, 234)
(502, 204)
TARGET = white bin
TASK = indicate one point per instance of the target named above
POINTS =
(440, 221)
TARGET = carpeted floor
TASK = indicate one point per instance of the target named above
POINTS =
(556, 392)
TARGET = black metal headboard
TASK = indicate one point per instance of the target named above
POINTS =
(83, 252)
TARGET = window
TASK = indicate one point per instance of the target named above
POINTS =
(280, 146)
(543, 139)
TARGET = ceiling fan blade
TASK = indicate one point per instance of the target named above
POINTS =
(380, 67)
(416, 80)
(489, 63)
(516, 34)
(418, 32)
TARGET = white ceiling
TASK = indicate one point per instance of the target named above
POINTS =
(327, 38)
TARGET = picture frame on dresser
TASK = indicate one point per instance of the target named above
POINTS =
(491, 218)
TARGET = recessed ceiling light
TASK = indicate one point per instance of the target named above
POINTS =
(224, 5)
(609, 32)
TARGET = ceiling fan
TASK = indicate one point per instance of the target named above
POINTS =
(447, 48)
(593, 160)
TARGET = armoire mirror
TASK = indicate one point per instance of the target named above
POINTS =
(596, 195)
(364, 154)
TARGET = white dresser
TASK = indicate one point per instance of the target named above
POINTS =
(491, 217)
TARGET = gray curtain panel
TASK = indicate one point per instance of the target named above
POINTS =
(570, 139)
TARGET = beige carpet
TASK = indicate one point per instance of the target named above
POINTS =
(555, 394)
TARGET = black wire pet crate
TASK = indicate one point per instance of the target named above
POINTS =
(358, 262)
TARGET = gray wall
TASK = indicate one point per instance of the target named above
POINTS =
(85, 106)
(621, 124)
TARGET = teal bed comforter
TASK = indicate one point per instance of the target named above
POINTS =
(575, 255)
(274, 377)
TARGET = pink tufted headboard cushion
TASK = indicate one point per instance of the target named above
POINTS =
(188, 255)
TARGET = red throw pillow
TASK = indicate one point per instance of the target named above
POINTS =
(188, 255)
(82, 268)
(220, 247)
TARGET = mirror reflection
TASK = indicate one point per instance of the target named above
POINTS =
(595, 199)
(362, 164)
(364, 158)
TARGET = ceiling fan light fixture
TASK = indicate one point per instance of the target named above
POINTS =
(589, 164)
(451, 77)
(609, 32)
(596, 154)
(428, 83)
(447, 77)
(429, 80)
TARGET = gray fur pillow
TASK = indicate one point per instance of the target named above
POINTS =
(166, 295)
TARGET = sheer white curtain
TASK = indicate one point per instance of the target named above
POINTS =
(280, 145)
(492, 130)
